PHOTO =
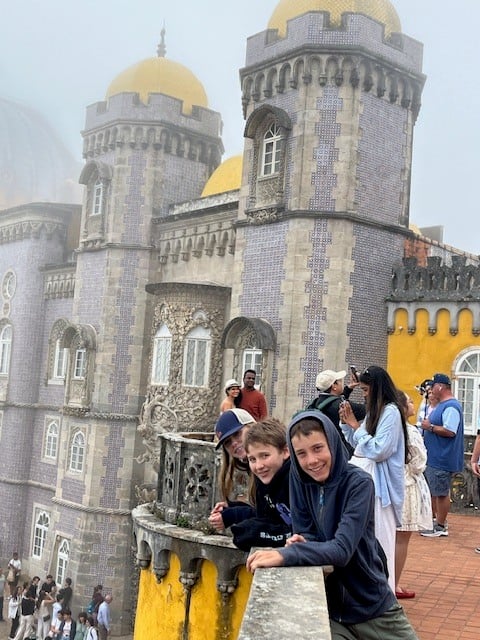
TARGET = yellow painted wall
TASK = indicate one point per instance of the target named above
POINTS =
(413, 358)
(161, 606)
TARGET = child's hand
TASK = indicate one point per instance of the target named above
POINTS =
(295, 538)
(216, 521)
(267, 558)
(219, 507)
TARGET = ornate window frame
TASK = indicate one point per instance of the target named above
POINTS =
(77, 452)
(81, 342)
(62, 559)
(58, 355)
(41, 525)
(269, 129)
(51, 439)
(196, 357)
(162, 356)
(97, 177)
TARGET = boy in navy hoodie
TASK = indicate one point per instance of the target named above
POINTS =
(269, 523)
(333, 519)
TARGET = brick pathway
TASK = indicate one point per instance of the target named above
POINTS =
(444, 573)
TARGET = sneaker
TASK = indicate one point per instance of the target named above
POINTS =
(437, 531)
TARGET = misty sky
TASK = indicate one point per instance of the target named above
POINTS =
(60, 55)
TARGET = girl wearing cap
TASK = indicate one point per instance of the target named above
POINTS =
(234, 396)
(234, 478)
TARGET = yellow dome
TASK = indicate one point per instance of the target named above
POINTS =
(226, 177)
(160, 75)
(381, 10)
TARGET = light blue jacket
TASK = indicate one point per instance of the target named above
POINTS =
(387, 449)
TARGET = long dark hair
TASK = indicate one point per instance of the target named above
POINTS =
(382, 391)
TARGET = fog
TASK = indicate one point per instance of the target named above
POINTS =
(59, 56)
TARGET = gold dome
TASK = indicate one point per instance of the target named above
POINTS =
(160, 75)
(226, 177)
(381, 10)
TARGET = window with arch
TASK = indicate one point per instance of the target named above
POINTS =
(40, 530)
(196, 357)
(80, 367)
(52, 432)
(60, 361)
(271, 151)
(97, 198)
(162, 350)
(467, 374)
(5, 349)
(77, 453)
(62, 561)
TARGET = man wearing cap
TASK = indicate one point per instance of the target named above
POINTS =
(443, 437)
(253, 400)
(331, 387)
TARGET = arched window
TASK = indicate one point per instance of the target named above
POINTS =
(196, 358)
(5, 349)
(467, 374)
(162, 349)
(62, 561)
(77, 452)
(8, 285)
(80, 367)
(271, 151)
(51, 440)
(60, 361)
(97, 199)
(42, 522)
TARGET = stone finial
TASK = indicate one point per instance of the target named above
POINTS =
(162, 49)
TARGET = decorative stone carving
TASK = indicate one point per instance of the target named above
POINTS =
(262, 216)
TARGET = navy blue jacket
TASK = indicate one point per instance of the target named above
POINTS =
(337, 519)
(269, 524)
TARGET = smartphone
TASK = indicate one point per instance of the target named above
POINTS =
(353, 369)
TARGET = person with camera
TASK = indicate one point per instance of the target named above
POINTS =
(333, 392)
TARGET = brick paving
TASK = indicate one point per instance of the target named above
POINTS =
(444, 573)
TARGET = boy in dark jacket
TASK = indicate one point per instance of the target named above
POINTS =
(333, 519)
(269, 523)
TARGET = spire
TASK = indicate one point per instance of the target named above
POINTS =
(162, 49)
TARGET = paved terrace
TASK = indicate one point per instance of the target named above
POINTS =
(445, 574)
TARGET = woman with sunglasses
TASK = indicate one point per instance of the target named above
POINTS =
(381, 446)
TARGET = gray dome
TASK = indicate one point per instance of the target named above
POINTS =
(35, 166)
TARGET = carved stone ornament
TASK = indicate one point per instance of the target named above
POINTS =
(262, 216)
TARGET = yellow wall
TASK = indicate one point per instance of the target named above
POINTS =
(161, 606)
(413, 358)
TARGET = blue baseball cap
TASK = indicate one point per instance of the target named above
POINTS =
(441, 378)
(230, 422)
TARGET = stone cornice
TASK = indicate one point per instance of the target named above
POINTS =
(31, 229)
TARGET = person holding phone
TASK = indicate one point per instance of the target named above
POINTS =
(333, 392)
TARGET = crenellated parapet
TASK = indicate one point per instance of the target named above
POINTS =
(454, 287)
(124, 121)
(357, 54)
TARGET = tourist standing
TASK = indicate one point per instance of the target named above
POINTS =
(104, 618)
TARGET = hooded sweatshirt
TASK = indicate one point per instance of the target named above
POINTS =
(270, 524)
(337, 519)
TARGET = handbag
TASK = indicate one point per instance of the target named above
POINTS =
(46, 617)
(11, 575)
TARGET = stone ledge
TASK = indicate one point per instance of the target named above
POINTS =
(286, 603)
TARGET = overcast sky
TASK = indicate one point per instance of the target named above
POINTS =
(60, 55)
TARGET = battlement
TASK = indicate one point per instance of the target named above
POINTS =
(436, 281)
(162, 109)
(356, 32)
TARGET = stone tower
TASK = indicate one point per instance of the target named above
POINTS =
(152, 142)
(330, 101)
